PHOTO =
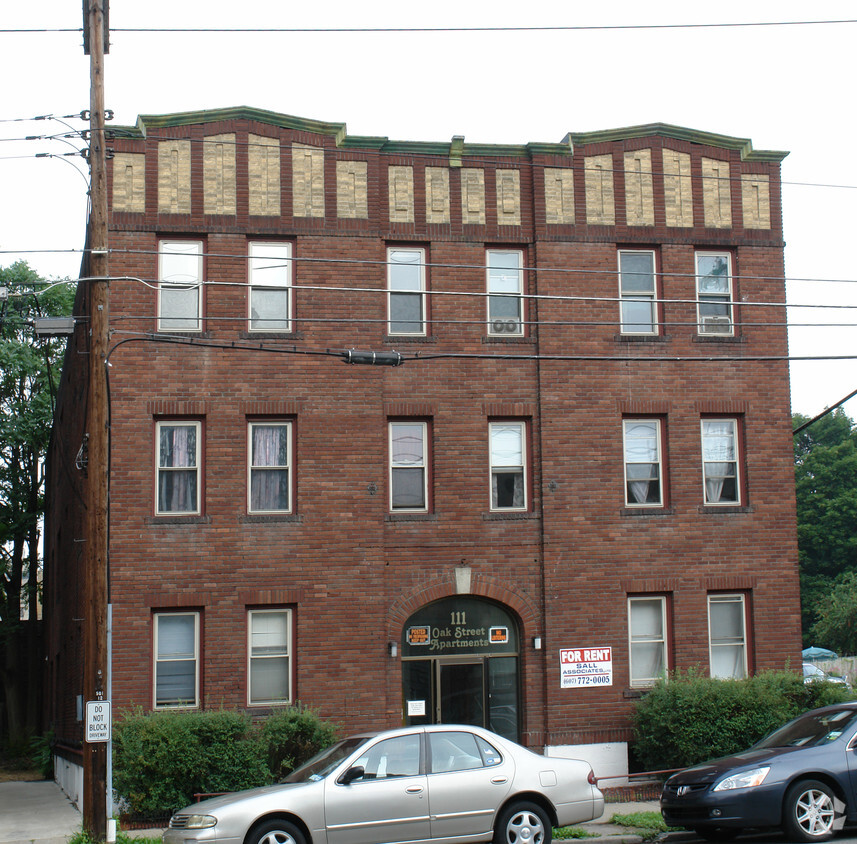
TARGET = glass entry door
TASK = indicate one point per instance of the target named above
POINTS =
(461, 693)
(460, 665)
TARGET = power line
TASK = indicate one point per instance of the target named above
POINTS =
(493, 29)
(419, 356)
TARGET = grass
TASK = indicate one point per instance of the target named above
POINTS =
(566, 832)
(81, 837)
(648, 824)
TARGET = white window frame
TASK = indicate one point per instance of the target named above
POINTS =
(397, 285)
(628, 295)
(256, 468)
(630, 501)
(422, 462)
(269, 268)
(284, 653)
(707, 474)
(498, 283)
(497, 467)
(180, 268)
(662, 640)
(158, 660)
(736, 641)
(714, 324)
(197, 467)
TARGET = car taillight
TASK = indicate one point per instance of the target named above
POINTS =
(591, 778)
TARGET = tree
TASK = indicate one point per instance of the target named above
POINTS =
(826, 489)
(29, 372)
(837, 616)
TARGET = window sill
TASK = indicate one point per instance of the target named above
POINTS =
(525, 341)
(408, 338)
(166, 332)
(724, 509)
(264, 518)
(178, 520)
(636, 692)
(642, 512)
(510, 516)
(411, 517)
(271, 335)
(714, 338)
(642, 338)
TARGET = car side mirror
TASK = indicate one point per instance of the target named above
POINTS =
(353, 773)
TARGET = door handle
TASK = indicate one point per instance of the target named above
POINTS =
(499, 780)
(414, 789)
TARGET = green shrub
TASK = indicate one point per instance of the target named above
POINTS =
(292, 736)
(161, 759)
(690, 718)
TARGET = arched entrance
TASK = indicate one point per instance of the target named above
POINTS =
(460, 665)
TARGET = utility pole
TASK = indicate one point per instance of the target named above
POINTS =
(95, 572)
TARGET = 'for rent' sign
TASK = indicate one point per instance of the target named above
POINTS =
(585, 667)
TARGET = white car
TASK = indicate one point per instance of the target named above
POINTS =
(425, 784)
(812, 673)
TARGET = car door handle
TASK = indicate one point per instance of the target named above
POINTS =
(414, 789)
(499, 780)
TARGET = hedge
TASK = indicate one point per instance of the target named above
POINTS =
(688, 718)
(161, 759)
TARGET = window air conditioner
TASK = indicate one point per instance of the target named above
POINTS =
(715, 325)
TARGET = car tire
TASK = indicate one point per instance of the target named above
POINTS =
(275, 832)
(718, 833)
(809, 811)
(523, 823)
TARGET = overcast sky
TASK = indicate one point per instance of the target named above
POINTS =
(784, 87)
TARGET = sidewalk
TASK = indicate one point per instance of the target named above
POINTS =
(36, 812)
(39, 813)
(618, 834)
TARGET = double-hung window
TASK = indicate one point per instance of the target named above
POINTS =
(508, 459)
(727, 636)
(720, 461)
(180, 285)
(178, 468)
(270, 461)
(505, 291)
(176, 660)
(638, 291)
(406, 285)
(269, 638)
(647, 635)
(714, 293)
(270, 281)
(408, 466)
(643, 475)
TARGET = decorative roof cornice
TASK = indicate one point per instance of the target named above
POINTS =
(679, 133)
(455, 148)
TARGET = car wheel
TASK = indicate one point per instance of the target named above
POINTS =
(523, 823)
(718, 833)
(809, 811)
(275, 832)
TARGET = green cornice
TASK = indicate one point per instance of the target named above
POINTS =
(679, 133)
(456, 148)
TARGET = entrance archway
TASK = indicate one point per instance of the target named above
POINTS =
(460, 665)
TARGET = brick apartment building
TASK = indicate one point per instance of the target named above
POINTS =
(580, 475)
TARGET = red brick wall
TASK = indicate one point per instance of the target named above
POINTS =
(352, 574)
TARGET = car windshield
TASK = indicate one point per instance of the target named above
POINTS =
(323, 763)
(812, 729)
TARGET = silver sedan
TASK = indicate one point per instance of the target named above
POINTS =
(416, 784)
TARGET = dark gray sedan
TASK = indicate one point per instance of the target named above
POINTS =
(802, 778)
(417, 784)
